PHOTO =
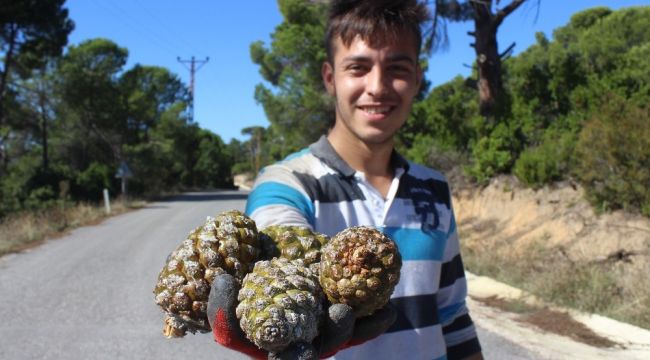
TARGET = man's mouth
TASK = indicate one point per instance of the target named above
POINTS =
(376, 110)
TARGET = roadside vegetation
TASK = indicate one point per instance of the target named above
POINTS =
(601, 287)
(22, 230)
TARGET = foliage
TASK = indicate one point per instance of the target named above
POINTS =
(548, 162)
(30, 33)
(88, 114)
(446, 114)
(616, 172)
(241, 156)
(12, 189)
(33, 30)
(494, 154)
(214, 162)
(298, 106)
(553, 88)
(87, 81)
(428, 151)
(90, 182)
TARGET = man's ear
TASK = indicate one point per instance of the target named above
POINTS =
(327, 72)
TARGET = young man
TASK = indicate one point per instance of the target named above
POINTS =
(353, 176)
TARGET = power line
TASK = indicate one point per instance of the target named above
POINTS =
(123, 17)
(193, 69)
(169, 32)
(139, 23)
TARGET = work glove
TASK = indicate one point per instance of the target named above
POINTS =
(339, 331)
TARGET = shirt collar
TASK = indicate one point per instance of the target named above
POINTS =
(323, 150)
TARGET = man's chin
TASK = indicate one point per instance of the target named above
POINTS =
(377, 138)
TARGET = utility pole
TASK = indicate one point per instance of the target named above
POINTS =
(195, 65)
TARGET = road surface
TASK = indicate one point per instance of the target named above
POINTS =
(88, 295)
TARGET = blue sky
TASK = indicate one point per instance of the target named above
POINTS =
(157, 32)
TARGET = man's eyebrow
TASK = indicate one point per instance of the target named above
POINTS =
(356, 58)
(393, 58)
(401, 57)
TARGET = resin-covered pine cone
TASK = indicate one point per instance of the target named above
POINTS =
(227, 243)
(360, 267)
(280, 304)
(292, 242)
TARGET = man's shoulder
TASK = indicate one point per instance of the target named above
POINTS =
(292, 170)
(299, 161)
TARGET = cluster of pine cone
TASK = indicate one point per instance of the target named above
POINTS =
(288, 275)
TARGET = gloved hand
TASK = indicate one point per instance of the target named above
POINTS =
(223, 321)
(339, 331)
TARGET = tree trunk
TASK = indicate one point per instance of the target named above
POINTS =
(486, 25)
(9, 56)
(41, 97)
(490, 86)
(4, 157)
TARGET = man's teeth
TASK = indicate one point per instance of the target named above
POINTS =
(377, 110)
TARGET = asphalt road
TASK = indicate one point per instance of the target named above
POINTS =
(88, 295)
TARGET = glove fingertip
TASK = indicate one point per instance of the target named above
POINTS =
(222, 298)
(341, 316)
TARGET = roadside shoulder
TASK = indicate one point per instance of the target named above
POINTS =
(617, 339)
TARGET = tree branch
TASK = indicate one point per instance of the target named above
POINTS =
(501, 14)
(507, 51)
(482, 8)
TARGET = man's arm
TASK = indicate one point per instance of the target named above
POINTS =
(278, 198)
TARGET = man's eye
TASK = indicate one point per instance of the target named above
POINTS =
(356, 68)
(400, 69)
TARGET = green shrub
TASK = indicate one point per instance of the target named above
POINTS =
(548, 162)
(429, 152)
(41, 197)
(91, 182)
(613, 156)
(537, 166)
(420, 149)
(493, 154)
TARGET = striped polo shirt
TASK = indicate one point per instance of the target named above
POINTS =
(316, 188)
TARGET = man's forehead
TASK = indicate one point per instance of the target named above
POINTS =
(393, 49)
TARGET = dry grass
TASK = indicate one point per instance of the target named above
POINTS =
(27, 229)
(603, 287)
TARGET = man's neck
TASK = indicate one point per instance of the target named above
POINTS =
(371, 159)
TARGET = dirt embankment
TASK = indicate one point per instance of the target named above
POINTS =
(544, 240)
(506, 213)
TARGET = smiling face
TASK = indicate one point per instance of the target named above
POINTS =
(374, 86)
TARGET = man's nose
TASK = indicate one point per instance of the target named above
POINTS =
(377, 82)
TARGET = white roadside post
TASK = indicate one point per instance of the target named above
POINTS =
(107, 202)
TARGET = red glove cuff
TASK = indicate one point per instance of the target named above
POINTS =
(229, 338)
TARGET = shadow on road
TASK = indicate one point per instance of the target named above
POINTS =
(231, 195)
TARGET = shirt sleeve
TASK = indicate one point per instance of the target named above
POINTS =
(457, 326)
(278, 198)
